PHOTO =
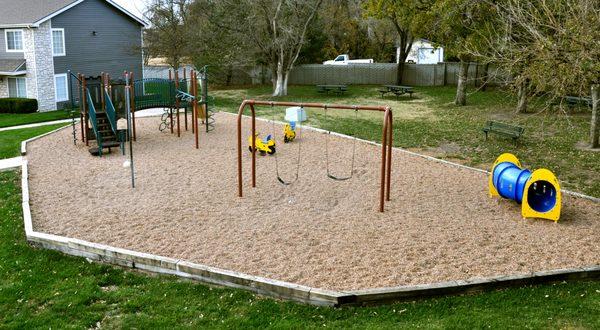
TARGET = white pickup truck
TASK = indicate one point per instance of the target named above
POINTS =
(344, 59)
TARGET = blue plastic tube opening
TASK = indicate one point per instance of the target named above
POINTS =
(541, 196)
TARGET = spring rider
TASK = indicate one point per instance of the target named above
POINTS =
(538, 192)
(264, 146)
(293, 115)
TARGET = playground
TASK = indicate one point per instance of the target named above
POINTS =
(440, 224)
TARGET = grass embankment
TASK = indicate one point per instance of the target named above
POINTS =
(430, 123)
(45, 289)
(10, 141)
(13, 119)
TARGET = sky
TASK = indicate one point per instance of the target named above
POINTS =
(134, 6)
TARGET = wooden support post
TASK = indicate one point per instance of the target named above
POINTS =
(102, 92)
(81, 106)
(195, 107)
(84, 90)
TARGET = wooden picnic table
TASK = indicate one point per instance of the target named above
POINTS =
(396, 90)
(338, 89)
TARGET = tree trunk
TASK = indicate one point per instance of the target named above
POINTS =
(595, 129)
(274, 76)
(400, 72)
(522, 96)
(461, 86)
(280, 81)
(229, 76)
(486, 72)
(286, 77)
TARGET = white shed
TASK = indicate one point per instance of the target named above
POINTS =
(423, 52)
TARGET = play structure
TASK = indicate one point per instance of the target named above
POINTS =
(102, 104)
(298, 115)
(538, 192)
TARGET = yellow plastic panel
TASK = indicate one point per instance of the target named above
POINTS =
(505, 157)
(554, 213)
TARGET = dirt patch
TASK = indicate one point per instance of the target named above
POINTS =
(440, 225)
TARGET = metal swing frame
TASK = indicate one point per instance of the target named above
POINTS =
(386, 142)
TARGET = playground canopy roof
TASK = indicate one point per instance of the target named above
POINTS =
(31, 13)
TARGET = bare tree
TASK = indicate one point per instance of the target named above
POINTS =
(284, 35)
(275, 30)
(551, 47)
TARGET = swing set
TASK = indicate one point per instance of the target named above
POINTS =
(386, 144)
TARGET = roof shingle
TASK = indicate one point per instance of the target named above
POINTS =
(27, 12)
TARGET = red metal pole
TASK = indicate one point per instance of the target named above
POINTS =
(389, 157)
(239, 147)
(383, 161)
(253, 145)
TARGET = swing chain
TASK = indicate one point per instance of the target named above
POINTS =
(331, 176)
(287, 183)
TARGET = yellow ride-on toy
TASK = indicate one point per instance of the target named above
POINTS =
(289, 132)
(264, 146)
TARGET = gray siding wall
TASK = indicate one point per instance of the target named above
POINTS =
(3, 53)
(116, 47)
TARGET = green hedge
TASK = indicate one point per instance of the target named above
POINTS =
(18, 105)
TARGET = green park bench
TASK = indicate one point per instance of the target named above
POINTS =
(337, 89)
(396, 90)
(575, 100)
(509, 130)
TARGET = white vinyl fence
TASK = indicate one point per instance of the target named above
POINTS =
(441, 74)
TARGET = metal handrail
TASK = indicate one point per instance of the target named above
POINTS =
(93, 119)
(111, 113)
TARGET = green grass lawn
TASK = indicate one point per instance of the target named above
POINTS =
(10, 141)
(430, 123)
(45, 289)
(13, 119)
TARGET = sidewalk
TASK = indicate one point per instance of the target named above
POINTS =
(10, 162)
(46, 123)
(139, 114)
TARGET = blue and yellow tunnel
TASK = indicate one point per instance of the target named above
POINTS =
(538, 192)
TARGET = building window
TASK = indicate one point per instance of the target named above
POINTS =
(61, 90)
(58, 42)
(14, 40)
(17, 87)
